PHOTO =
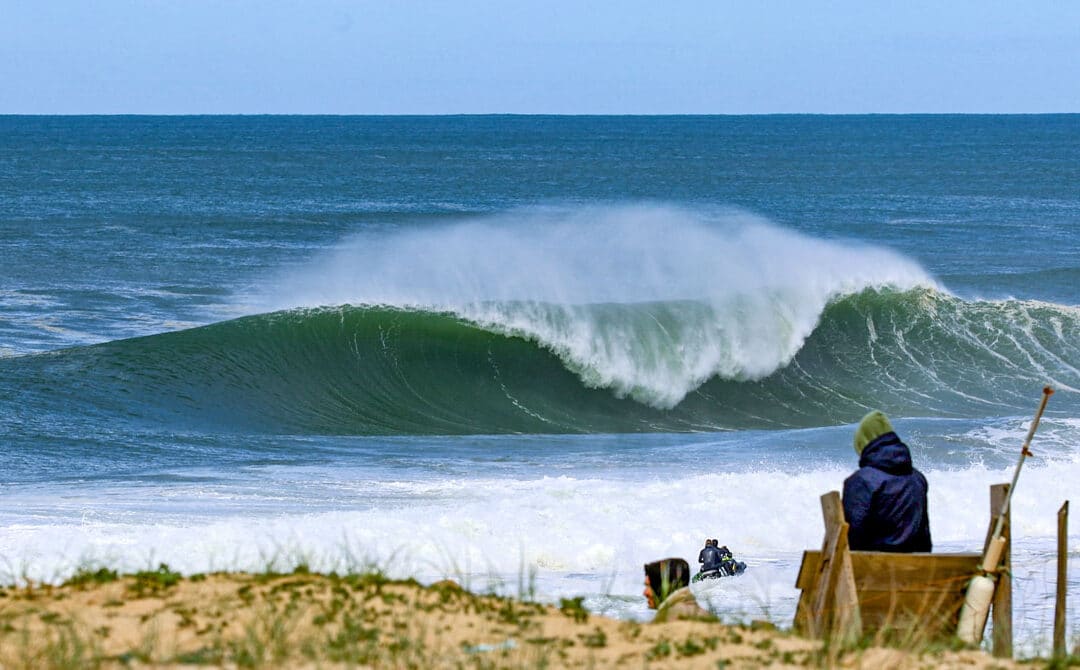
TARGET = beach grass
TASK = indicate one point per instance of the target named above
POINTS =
(99, 618)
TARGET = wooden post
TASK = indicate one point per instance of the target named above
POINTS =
(1062, 565)
(834, 603)
(1002, 602)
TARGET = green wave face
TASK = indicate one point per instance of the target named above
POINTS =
(926, 353)
(379, 370)
(338, 371)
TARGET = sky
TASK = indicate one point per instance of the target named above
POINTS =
(538, 56)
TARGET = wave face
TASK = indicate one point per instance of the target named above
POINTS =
(645, 300)
(612, 319)
(386, 370)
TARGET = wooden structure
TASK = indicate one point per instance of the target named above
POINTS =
(1062, 577)
(1001, 612)
(905, 597)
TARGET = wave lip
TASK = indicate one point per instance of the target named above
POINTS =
(658, 353)
(646, 300)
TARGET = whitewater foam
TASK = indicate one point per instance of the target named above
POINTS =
(563, 523)
(581, 536)
(586, 526)
(649, 301)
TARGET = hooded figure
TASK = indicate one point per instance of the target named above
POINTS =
(664, 577)
(885, 499)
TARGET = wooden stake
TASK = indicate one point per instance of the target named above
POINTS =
(1062, 565)
(833, 603)
(1002, 603)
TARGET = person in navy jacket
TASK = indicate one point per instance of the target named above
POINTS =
(885, 499)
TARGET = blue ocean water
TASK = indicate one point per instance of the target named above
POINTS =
(481, 346)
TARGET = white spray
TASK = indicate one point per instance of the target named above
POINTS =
(649, 301)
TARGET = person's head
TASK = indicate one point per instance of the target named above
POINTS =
(712, 542)
(873, 425)
(664, 577)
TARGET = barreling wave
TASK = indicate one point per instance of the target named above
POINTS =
(655, 366)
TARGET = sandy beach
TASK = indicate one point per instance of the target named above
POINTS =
(306, 620)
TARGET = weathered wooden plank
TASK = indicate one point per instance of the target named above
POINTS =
(1002, 604)
(930, 614)
(883, 601)
(832, 609)
(808, 569)
(917, 593)
(845, 624)
(823, 588)
(1062, 575)
(925, 623)
(925, 616)
(910, 573)
(808, 573)
(847, 620)
(883, 570)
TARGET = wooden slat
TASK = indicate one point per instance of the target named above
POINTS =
(914, 572)
(832, 608)
(847, 623)
(918, 592)
(926, 619)
(823, 585)
(808, 571)
(1002, 604)
(879, 569)
(1062, 577)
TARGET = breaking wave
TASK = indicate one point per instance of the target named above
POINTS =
(391, 370)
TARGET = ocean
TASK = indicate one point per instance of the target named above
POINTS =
(529, 353)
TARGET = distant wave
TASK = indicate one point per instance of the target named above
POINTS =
(649, 301)
(390, 370)
(573, 319)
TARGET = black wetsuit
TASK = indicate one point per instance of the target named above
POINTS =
(709, 558)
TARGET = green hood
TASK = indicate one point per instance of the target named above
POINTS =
(873, 425)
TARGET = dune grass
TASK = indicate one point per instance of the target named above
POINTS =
(99, 618)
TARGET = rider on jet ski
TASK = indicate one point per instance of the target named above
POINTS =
(718, 561)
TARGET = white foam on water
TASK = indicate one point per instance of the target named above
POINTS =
(715, 294)
(559, 523)
(585, 536)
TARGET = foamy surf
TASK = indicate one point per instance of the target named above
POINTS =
(647, 300)
(581, 534)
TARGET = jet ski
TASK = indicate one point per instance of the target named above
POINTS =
(731, 568)
(718, 562)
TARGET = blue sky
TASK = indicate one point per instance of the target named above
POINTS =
(487, 56)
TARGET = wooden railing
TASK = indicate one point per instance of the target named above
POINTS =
(914, 598)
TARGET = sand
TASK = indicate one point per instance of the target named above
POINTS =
(302, 620)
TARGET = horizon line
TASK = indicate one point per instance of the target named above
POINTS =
(516, 114)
